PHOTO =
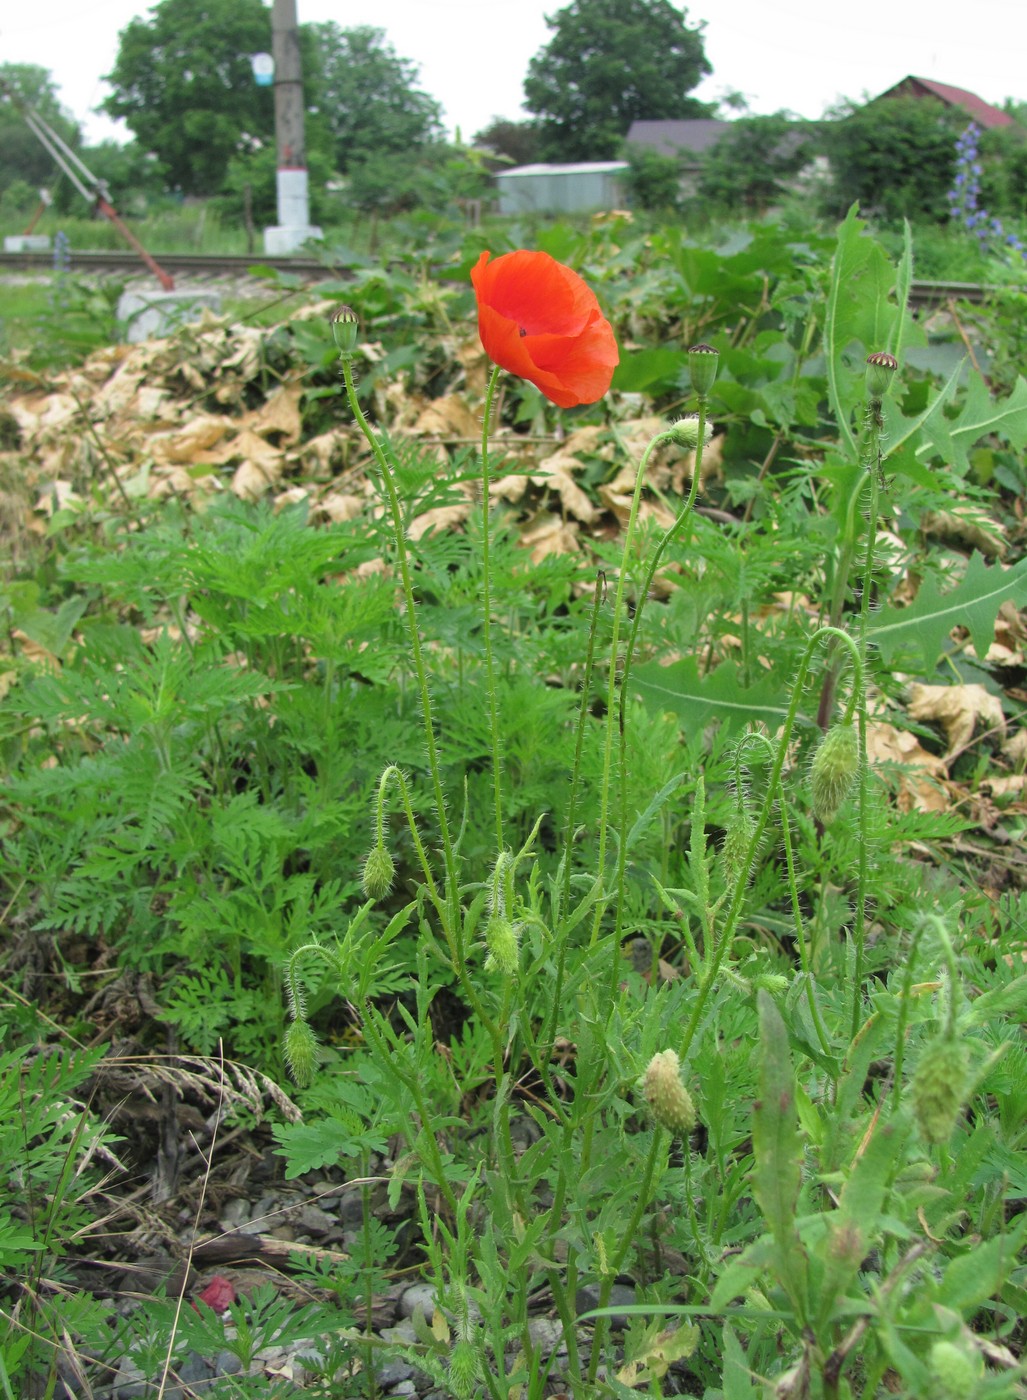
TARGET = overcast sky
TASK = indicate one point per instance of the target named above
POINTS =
(800, 55)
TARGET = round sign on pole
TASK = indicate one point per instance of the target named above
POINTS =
(263, 69)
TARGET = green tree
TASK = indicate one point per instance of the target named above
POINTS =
(895, 156)
(609, 63)
(183, 83)
(515, 143)
(23, 157)
(653, 180)
(749, 166)
(365, 96)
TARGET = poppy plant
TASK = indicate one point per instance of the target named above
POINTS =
(539, 320)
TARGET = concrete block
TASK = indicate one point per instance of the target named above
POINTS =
(283, 239)
(27, 243)
(146, 314)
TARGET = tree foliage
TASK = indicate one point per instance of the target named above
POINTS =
(184, 84)
(366, 96)
(609, 63)
(749, 166)
(515, 142)
(23, 157)
(896, 157)
(182, 81)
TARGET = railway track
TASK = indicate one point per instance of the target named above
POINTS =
(922, 293)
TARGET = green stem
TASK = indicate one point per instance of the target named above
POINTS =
(612, 708)
(399, 537)
(723, 942)
(490, 672)
(629, 657)
(875, 426)
(800, 933)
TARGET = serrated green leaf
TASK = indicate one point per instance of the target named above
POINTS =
(698, 700)
(926, 623)
(980, 415)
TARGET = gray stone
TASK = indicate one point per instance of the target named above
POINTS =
(621, 1295)
(226, 1363)
(419, 1297)
(316, 1222)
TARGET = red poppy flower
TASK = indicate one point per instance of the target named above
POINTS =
(537, 319)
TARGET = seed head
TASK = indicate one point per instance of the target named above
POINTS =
(880, 371)
(345, 325)
(669, 1101)
(702, 366)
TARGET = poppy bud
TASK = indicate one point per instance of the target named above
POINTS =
(737, 840)
(377, 874)
(702, 366)
(502, 943)
(464, 1371)
(880, 370)
(773, 982)
(939, 1088)
(345, 325)
(685, 432)
(669, 1101)
(955, 1372)
(833, 770)
(301, 1051)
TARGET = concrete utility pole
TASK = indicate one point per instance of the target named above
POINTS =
(294, 226)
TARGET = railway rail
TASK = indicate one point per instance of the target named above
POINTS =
(922, 293)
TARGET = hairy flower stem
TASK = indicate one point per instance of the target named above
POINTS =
(724, 938)
(562, 902)
(399, 538)
(800, 932)
(396, 775)
(612, 708)
(629, 656)
(490, 670)
(875, 427)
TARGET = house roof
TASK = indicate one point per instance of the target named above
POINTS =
(983, 113)
(671, 138)
(581, 167)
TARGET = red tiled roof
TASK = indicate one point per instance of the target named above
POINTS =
(983, 113)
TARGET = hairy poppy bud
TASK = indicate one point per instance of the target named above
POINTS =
(345, 325)
(702, 366)
(737, 840)
(669, 1101)
(685, 432)
(955, 1371)
(880, 371)
(377, 874)
(301, 1051)
(773, 982)
(939, 1088)
(464, 1372)
(502, 943)
(833, 770)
